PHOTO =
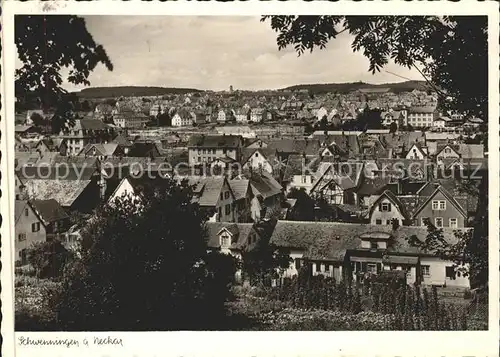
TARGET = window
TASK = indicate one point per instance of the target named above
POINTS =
(222, 195)
(371, 268)
(21, 237)
(226, 195)
(450, 272)
(438, 222)
(385, 207)
(318, 267)
(228, 209)
(26, 212)
(438, 205)
(297, 263)
(447, 150)
(453, 223)
(256, 154)
(378, 221)
(35, 227)
(373, 245)
(388, 222)
(426, 270)
(424, 219)
(225, 240)
(304, 179)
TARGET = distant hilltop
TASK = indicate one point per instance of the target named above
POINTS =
(131, 91)
(142, 91)
(407, 86)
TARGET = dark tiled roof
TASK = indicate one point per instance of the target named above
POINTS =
(373, 186)
(264, 185)
(241, 232)
(49, 210)
(63, 191)
(240, 187)
(214, 141)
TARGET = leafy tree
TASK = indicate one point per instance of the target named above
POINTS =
(144, 266)
(44, 48)
(440, 48)
(265, 261)
(37, 119)
(49, 258)
(304, 207)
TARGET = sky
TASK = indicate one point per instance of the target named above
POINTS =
(208, 52)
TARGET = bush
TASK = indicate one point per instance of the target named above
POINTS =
(467, 294)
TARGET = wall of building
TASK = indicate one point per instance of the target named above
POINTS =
(437, 273)
(386, 216)
(450, 212)
(24, 225)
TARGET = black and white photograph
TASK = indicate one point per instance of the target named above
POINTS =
(251, 173)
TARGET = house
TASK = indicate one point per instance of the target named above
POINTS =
(256, 115)
(53, 217)
(335, 182)
(246, 208)
(258, 160)
(84, 132)
(130, 120)
(26, 131)
(144, 149)
(214, 195)
(346, 251)
(417, 152)
(242, 115)
(231, 238)
(239, 130)
(441, 209)
(268, 191)
(223, 116)
(463, 151)
(387, 209)
(28, 230)
(207, 148)
(73, 195)
(52, 145)
(102, 151)
(183, 118)
(422, 117)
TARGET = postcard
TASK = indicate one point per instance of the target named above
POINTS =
(250, 178)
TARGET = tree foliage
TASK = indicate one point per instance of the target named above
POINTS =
(144, 266)
(45, 48)
(265, 261)
(441, 48)
(49, 258)
(304, 207)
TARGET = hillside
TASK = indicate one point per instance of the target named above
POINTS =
(349, 87)
(131, 91)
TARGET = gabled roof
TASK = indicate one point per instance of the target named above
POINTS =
(240, 188)
(246, 154)
(240, 233)
(265, 185)
(48, 210)
(447, 195)
(394, 200)
(63, 191)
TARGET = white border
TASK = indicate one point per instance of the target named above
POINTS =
(255, 343)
